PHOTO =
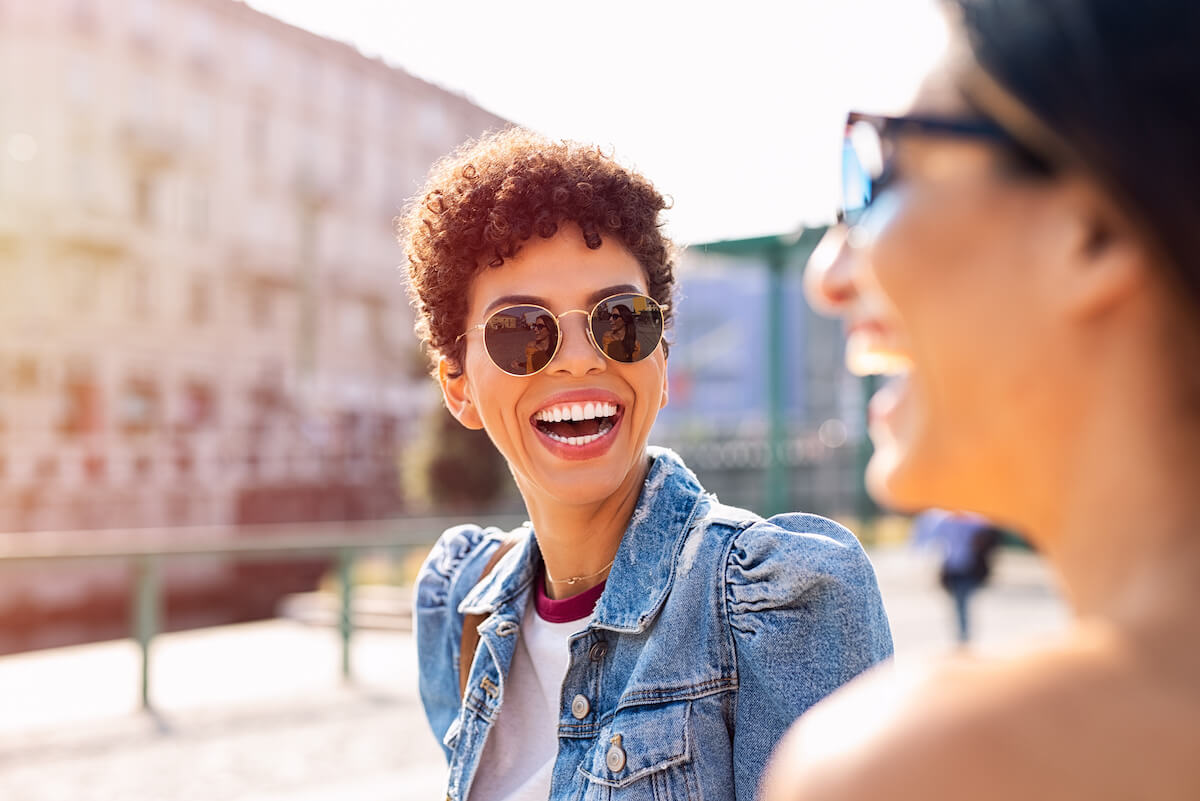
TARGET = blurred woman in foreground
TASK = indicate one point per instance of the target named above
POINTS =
(1022, 252)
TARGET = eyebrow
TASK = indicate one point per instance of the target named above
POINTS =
(593, 299)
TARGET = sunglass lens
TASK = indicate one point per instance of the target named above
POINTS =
(862, 164)
(520, 339)
(856, 186)
(627, 327)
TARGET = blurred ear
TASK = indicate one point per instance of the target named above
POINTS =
(1107, 261)
(457, 392)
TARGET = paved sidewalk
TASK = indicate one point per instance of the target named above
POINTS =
(258, 711)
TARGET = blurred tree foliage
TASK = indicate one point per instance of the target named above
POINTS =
(451, 469)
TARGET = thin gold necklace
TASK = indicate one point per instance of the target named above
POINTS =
(576, 579)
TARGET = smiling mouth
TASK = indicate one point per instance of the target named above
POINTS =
(577, 423)
(870, 351)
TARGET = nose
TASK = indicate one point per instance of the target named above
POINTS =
(829, 276)
(576, 355)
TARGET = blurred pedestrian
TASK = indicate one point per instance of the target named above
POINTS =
(966, 543)
(1022, 252)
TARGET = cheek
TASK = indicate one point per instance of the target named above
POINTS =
(962, 286)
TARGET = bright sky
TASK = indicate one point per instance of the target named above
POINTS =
(732, 108)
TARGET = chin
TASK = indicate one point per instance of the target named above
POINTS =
(896, 482)
(580, 492)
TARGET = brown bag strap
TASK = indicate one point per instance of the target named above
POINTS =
(470, 628)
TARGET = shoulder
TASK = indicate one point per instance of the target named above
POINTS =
(899, 736)
(798, 551)
(1056, 723)
(455, 564)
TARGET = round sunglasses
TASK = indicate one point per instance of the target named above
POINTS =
(522, 339)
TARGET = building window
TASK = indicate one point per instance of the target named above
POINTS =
(80, 86)
(432, 122)
(196, 211)
(25, 374)
(145, 200)
(352, 158)
(82, 184)
(199, 301)
(262, 302)
(143, 99)
(142, 19)
(199, 405)
(356, 321)
(199, 120)
(257, 134)
(202, 35)
(82, 412)
(260, 55)
(138, 409)
(83, 286)
(140, 291)
(83, 16)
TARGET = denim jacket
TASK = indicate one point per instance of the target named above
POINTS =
(715, 630)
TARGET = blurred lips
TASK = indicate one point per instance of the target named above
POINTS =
(871, 349)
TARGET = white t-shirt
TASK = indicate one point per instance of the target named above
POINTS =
(518, 757)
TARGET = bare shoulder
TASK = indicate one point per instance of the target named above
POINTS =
(1088, 718)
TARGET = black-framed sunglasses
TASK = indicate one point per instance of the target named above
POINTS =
(869, 144)
(511, 334)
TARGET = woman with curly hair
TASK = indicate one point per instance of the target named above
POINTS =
(636, 639)
(1024, 256)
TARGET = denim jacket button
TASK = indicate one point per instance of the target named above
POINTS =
(598, 650)
(615, 758)
(580, 707)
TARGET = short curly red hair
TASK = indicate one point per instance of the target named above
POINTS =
(484, 200)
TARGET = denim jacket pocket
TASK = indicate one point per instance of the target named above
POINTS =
(643, 752)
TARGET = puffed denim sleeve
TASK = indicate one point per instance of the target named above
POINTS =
(806, 617)
(451, 570)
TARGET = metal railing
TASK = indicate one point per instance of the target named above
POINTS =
(146, 549)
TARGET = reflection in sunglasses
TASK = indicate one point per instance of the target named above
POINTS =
(522, 340)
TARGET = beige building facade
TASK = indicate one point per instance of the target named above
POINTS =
(200, 293)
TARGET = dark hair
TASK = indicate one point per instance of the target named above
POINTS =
(551, 329)
(1117, 82)
(626, 315)
(483, 201)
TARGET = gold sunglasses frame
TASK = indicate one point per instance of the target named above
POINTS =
(662, 307)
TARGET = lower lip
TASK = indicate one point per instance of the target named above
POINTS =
(576, 453)
(884, 403)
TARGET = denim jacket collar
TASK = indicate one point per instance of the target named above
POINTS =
(644, 567)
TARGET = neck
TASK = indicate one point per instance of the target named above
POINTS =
(581, 539)
(1121, 516)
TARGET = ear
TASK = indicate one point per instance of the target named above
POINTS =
(457, 392)
(1107, 261)
(662, 402)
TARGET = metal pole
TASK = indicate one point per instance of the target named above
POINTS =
(146, 612)
(777, 479)
(867, 510)
(346, 621)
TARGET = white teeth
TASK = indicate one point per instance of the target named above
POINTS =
(577, 412)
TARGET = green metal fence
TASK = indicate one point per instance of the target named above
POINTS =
(145, 550)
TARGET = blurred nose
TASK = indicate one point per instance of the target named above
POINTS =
(829, 276)
(576, 354)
